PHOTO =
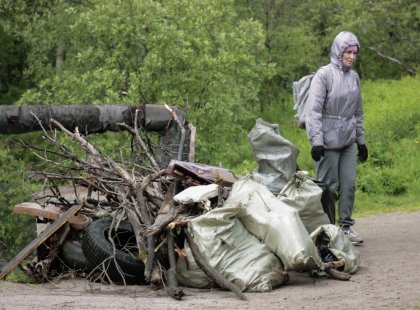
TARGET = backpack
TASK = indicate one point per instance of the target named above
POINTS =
(300, 96)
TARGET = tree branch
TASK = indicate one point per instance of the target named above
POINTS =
(411, 71)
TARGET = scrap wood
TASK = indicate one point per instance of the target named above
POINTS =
(331, 268)
(165, 215)
(180, 221)
(50, 212)
(127, 191)
(141, 204)
(212, 273)
(39, 240)
(172, 289)
(34, 209)
(339, 275)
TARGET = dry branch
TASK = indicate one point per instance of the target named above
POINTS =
(135, 132)
(165, 215)
(411, 71)
(146, 200)
(173, 289)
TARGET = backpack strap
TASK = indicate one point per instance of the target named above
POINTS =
(329, 79)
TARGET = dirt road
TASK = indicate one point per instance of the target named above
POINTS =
(389, 277)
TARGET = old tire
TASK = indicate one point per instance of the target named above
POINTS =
(97, 249)
(72, 254)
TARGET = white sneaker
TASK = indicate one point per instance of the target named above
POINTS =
(353, 236)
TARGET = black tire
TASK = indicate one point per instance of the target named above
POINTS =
(97, 249)
(72, 254)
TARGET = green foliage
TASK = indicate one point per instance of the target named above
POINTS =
(223, 61)
(19, 276)
(393, 134)
(226, 63)
(383, 181)
(17, 17)
(390, 179)
(193, 54)
(391, 28)
(15, 231)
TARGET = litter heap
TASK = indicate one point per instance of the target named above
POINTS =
(164, 221)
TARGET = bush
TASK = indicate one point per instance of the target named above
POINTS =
(16, 231)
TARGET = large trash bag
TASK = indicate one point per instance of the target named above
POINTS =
(189, 273)
(339, 245)
(275, 156)
(304, 195)
(239, 256)
(274, 223)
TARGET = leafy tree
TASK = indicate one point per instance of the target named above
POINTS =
(390, 35)
(193, 54)
(15, 230)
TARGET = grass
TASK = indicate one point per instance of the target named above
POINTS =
(390, 180)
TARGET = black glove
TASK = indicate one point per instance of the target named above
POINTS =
(317, 151)
(362, 155)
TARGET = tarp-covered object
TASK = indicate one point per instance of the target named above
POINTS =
(339, 245)
(304, 195)
(275, 156)
(274, 223)
(239, 256)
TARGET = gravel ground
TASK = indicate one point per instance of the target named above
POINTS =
(389, 277)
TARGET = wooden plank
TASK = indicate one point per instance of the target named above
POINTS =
(39, 240)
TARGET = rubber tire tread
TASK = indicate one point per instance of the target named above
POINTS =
(71, 251)
(97, 249)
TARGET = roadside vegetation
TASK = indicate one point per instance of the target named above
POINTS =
(390, 179)
(225, 62)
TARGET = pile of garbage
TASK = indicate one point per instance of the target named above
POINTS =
(166, 221)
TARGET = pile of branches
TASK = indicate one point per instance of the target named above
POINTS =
(139, 191)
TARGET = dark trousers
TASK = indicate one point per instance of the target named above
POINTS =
(338, 170)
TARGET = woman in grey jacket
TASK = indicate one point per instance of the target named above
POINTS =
(334, 123)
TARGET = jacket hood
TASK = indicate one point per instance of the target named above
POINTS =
(341, 42)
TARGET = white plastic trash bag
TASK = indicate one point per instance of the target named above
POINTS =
(239, 256)
(274, 223)
(304, 195)
(340, 246)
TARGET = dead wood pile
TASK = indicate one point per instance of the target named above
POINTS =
(120, 195)
(139, 191)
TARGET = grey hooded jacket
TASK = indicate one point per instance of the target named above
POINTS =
(334, 118)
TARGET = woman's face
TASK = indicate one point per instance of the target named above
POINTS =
(349, 57)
